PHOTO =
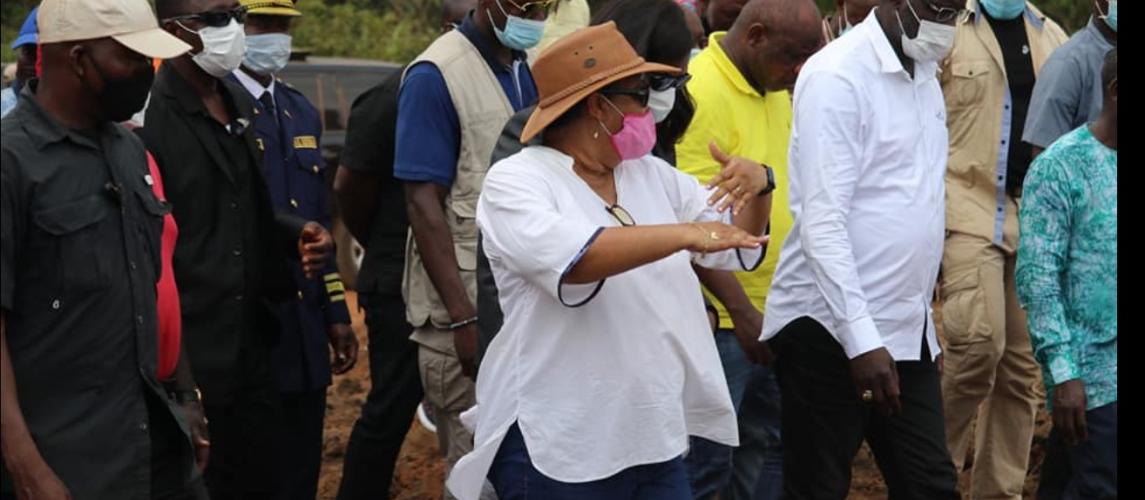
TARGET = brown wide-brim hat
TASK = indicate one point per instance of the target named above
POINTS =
(579, 64)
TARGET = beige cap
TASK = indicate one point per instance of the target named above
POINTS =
(130, 22)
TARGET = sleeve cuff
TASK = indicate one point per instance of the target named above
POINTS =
(860, 337)
(585, 292)
(1061, 366)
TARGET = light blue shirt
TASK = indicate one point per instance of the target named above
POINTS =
(8, 99)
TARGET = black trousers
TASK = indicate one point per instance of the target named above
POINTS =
(1086, 471)
(301, 457)
(246, 434)
(825, 422)
(395, 391)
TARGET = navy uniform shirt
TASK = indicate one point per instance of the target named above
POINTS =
(288, 133)
(79, 259)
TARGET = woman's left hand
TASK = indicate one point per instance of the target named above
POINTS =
(738, 182)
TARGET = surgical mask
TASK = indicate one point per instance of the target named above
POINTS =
(222, 48)
(268, 53)
(1004, 9)
(519, 33)
(636, 137)
(931, 44)
(661, 102)
(1110, 16)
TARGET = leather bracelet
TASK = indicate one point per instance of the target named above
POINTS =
(459, 324)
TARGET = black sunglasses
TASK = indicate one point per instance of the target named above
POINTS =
(641, 94)
(663, 81)
(621, 215)
(215, 18)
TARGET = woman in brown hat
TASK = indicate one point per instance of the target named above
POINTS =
(591, 389)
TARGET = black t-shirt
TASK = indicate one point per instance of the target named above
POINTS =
(1011, 36)
(370, 149)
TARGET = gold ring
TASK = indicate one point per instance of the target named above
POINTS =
(868, 396)
(713, 235)
(737, 189)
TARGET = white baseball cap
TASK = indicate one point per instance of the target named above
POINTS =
(130, 22)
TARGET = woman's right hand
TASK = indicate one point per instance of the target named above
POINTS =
(708, 237)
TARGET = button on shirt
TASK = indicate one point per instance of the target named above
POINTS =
(79, 259)
(868, 154)
(1066, 274)
(625, 376)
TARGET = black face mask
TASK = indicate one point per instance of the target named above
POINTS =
(121, 98)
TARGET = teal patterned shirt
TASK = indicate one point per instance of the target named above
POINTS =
(1067, 264)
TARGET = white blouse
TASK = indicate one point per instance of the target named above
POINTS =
(605, 376)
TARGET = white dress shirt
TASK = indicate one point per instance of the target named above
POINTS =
(251, 85)
(597, 384)
(867, 157)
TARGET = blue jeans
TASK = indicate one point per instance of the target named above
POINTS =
(757, 465)
(515, 478)
(1088, 470)
(710, 464)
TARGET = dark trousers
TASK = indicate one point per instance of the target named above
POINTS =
(301, 458)
(1087, 471)
(514, 478)
(825, 422)
(395, 392)
(246, 434)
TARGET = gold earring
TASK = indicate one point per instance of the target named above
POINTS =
(595, 134)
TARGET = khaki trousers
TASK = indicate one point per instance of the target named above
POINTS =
(990, 373)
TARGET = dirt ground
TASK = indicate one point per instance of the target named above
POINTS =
(419, 470)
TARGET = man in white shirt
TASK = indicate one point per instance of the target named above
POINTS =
(848, 313)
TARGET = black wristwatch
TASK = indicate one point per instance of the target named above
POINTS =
(770, 181)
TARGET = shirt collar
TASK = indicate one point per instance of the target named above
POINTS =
(727, 67)
(484, 45)
(253, 86)
(1095, 32)
(888, 60)
(43, 129)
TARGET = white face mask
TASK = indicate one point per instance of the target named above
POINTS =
(268, 53)
(661, 102)
(933, 42)
(223, 48)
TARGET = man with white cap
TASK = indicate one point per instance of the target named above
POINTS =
(230, 261)
(84, 415)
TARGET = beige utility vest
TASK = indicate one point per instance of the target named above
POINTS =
(482, 110)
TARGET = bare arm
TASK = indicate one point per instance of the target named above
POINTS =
(619, 249)
(435, 244)
(356, 194)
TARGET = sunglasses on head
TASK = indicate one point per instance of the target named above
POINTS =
(215, 18)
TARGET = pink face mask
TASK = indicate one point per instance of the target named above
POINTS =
(636, 137)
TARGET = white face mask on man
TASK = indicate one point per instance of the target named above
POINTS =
(223, 48)
(933, 41)
(661, 103)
